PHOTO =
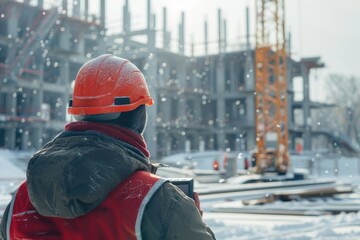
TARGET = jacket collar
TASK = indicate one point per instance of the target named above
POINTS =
(117, 132)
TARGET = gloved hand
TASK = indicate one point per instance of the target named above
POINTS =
(197, 203)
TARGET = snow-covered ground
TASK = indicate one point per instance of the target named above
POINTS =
(9, 168)
(257, 226)
(12, 173)
(313, 223)
(301, 219)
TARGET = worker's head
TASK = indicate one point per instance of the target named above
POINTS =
(110, 89)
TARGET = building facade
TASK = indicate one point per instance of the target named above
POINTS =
(203, 102)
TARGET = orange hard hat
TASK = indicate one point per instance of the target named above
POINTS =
(108, 85)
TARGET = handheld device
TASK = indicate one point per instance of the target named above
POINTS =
(185, 184)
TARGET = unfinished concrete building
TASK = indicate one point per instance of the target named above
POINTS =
(40, 53)
(201, 102)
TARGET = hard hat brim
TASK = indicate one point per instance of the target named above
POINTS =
(82, 111)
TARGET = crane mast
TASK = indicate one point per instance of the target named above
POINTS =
(271, 88)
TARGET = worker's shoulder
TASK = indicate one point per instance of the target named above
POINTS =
(85, 139)
(86, 144)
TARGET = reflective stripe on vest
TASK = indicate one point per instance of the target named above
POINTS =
(9, 217)
(119, 216)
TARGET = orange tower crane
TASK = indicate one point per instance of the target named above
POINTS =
(271, 88)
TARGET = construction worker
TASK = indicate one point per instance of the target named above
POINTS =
(246, 163)
(94, 180)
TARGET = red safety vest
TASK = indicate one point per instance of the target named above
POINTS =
(117, 217)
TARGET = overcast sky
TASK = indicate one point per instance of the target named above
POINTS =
(325, 28)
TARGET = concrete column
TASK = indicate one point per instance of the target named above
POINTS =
(206, 37)
(290, 94)
(86, 10)
(250, 139)
(102, 13)
(220, 103)
(126, 22)
(25, 139)
(182, 34)
(220, 76)
(37, 129)
(27, 105)
(212, 76)
(10, 107)
(153, 19)
(126, 17)
(166, 44)
(195, 141)
(247, 29)
(192, 47)
(197, 111)
(40, 3)
(181, 75)
(64, 75)
(13, 21)
(76, 8)
(249, 65)
(225, 36)
(167, 143)
(306, 107)
(232, 77)
(166, 74)
(101, 42)
(289, 44)
(148, 15)
(151, 38)
(10, 134)
(64, 41)
(65, 6)
(250, 104)
(250, 109)
(166, 108)
(10, 110)
(181, 142)
(80, 45)
(35, 137)
(219, 32)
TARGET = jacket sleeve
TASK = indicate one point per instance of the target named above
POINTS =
(172, 215)
(3, 224)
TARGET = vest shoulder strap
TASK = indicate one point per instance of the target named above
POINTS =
(140, 188)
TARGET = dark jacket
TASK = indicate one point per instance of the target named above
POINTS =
(74, 173)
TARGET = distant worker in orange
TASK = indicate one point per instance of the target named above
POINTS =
(94, 180)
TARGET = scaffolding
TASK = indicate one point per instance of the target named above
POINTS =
(271, 87)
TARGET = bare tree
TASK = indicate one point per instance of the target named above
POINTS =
(344, 91)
